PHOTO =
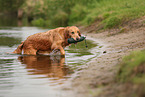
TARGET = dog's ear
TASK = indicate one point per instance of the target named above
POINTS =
(66, 33)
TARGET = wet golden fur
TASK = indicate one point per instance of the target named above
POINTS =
(55, 39)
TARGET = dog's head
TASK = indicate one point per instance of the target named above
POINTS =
(72, 32)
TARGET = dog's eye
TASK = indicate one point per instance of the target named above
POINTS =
(79, 33)
(72, 32)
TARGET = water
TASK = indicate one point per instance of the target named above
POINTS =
(41, 75)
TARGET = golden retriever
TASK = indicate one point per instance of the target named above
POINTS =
(55, 39)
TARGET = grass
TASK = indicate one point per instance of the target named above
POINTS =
(114, 13)
(132, 74)
(133, 68)
(39, 22)
(107, 13)
(78, 13)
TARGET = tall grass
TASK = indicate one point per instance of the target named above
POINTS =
(132, 73)
(110, 13)
(133, 68)
(114, 13)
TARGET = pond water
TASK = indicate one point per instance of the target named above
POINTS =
(41, 75)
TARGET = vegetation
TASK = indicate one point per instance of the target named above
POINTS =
(53, 14)
(109, 13)
(114, 13)
(10, 6)
(132, 71)
(133, 68)
(49, 13)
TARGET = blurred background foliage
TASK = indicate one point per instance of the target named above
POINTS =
(10, 6)
(54, 13)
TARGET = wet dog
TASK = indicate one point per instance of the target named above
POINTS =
(55, 39)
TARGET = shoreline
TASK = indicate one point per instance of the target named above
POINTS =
(101, 71)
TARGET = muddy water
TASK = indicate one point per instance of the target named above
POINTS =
(41, 75)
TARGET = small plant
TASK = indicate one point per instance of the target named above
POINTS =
(39, 22)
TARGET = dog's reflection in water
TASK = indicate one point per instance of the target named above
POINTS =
(50, 66)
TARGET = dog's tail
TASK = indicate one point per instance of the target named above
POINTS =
(19, 49)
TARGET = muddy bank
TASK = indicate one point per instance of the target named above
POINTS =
(100, 73)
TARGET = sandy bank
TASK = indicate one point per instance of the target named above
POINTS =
(101, 71)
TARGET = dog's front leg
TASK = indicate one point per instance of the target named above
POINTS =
(58, 47)
(62, 51)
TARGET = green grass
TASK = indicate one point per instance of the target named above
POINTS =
(78, 13)
(114, 13)
(39, 22)
(132, 74)
(107, 13)
(133, 68)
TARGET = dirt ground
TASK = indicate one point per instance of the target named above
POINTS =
(96, 79)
